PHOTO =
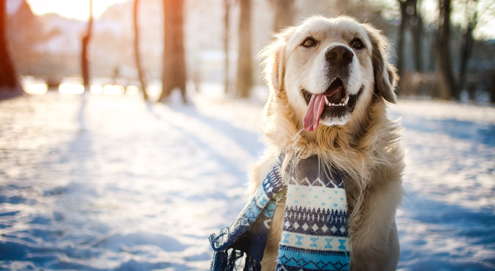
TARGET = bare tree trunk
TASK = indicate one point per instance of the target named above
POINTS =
(467, 44)
(244, 61)
(417, 25)
(466, 50)
(9, 84)
(489, 76)
(443, 63)
(84, 52)
(401, 36)
(136, 51)
(174, 63)
(284, 11)
(226, 49)
(432, 45)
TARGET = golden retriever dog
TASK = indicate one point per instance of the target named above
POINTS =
(329, 83)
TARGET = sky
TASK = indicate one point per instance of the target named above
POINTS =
(73, 9)
(79, 9)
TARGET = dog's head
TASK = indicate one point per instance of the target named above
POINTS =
(328, 71)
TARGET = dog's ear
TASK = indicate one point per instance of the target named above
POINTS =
(273, 57)
(385, 74)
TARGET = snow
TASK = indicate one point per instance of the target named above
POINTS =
(448, 222)
(100, 182)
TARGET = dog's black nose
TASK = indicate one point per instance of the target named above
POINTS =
(339, 56)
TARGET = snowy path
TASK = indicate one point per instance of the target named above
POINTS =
(449, 221)
(110, 183)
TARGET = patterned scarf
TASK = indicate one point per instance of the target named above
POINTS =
(315, 231)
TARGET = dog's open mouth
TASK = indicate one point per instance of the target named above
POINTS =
(333, 103)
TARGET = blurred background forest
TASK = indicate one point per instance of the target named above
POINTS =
(443, 49)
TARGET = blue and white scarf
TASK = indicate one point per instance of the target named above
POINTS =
(315, 230)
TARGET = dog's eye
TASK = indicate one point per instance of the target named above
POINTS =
(357, 44)
(309, 42)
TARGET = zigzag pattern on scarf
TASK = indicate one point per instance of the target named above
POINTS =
(315, 231)
(317, 261)
(316, 222)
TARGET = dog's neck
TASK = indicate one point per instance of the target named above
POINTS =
(351, 146)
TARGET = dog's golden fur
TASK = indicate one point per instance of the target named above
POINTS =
(367, 147)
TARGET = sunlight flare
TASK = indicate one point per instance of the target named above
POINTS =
(113, 90)
(71, 88)
(36, 88)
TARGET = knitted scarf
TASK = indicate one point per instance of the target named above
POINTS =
(315, 231)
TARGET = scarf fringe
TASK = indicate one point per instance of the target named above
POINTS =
(226, 260)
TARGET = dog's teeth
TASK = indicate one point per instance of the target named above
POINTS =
(346, 100)
(326, 101)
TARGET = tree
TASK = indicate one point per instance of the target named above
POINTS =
(402, 34)
(226, 23)
(136, 50)
(9, 84)
(84, 52)
(416, 22)
(473, 13)
(244, 82)
(174, 64)
(446, 84)
(284, 11)
(411, 20)
(467, 44)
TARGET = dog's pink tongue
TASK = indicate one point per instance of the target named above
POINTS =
(312, 117)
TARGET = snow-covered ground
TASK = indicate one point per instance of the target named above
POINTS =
(96, 182)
